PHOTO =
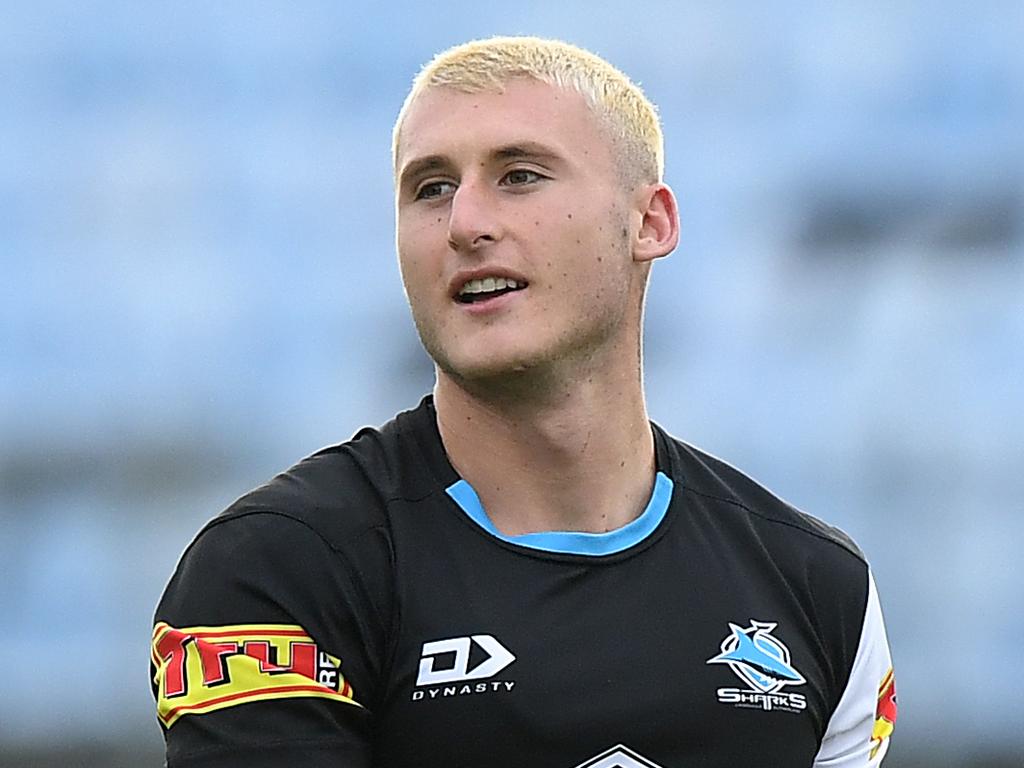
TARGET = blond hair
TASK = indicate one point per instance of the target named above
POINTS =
(623, 110)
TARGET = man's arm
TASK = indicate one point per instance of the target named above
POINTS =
(265, 649)
(859, 730)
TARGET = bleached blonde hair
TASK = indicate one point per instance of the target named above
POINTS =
(626, 114)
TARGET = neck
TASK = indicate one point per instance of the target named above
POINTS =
(576, 457)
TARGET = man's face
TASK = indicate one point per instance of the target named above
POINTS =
(514, 230)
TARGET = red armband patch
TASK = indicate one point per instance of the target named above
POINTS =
(202, 669)
(885, 713)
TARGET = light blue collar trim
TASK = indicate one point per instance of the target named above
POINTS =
(573, 542)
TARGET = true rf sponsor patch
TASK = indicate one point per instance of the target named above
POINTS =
(203, 669)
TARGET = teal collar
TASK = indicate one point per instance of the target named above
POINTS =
(573, 542)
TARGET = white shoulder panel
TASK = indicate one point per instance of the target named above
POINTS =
(858, 733)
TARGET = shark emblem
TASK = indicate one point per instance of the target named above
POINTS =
(757, 657)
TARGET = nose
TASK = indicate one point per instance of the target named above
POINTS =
(473, 219)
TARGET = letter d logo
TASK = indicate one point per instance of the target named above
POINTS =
(498, 658)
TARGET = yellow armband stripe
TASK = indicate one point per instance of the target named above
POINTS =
(203, 669)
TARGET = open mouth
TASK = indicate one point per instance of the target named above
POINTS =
(488, 288)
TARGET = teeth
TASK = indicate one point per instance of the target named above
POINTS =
(488, 284)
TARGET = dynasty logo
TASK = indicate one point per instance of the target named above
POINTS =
(762, 661)
(459, 666)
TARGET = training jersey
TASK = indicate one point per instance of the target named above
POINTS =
(361, 610)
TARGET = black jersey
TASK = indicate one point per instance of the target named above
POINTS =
(361, 610)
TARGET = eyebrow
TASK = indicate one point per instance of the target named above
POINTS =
(420, 166)
(527, 150)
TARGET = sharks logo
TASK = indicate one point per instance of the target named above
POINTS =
(762, 661)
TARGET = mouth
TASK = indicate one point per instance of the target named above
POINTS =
(483, 289)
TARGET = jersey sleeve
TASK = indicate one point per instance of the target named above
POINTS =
(859, 729)
(266, 648)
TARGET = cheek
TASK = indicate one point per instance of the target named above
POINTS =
(597, 223)
(602, 260)
(421, 253)
(597, 244)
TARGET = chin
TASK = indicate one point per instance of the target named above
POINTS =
(484, 370)
(479, 369)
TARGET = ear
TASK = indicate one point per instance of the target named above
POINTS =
(659, 223)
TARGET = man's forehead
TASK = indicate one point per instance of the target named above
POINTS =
(518, 87)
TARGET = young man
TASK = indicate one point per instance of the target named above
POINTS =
(523, 570)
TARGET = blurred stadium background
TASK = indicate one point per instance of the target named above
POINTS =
(199, 287)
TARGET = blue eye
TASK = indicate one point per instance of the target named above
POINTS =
(434, 189)
(520, 176)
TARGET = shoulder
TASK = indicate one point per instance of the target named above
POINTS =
(311, 548)
(713, 482)
(341, 492)
(776, 555)
(321, 526)
(762, 535)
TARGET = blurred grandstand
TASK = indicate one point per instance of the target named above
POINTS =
(199, 287)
